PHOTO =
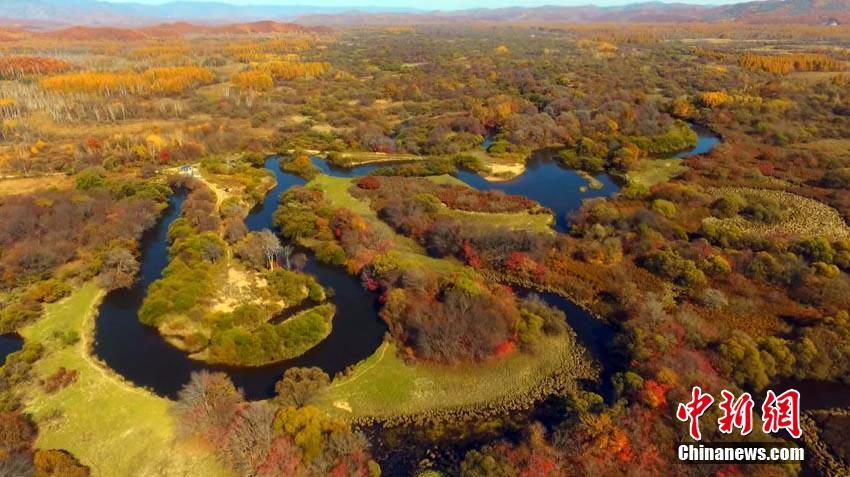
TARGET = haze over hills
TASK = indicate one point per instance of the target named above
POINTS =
(94, 12)
(54, 14)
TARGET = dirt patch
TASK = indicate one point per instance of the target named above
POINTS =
(239, 287)
(504, 172)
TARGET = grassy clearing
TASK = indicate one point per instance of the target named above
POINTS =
(504, 172)
(110, 425)
(806, 217)
(28, 185)
(655, 171)
(502, 167)
(336, 194)
(357, 158)
(385, 388)
(541, 223)
(448, 180)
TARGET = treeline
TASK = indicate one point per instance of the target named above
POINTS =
(291, 70)
(168, 80)
(787, 63)
(264, 75)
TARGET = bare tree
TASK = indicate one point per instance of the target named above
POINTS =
(270, 246)
(299, 385)
(250, 438)
(119, 269)
(286, 251)
(18, 464)
(206, 405)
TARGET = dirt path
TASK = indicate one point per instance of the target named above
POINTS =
(383, 352)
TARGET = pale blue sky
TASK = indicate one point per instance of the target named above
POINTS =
(431, 4)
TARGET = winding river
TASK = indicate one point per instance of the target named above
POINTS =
(142, 356)
(544, 181)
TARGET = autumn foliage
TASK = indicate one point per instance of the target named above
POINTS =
(784, 64)
(713, 99)
(16, 67)
(167, 80)
(288, 70)
(252, 80)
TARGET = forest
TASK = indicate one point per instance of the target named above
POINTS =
(253, 197)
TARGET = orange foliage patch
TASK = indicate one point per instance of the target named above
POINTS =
(16, 67)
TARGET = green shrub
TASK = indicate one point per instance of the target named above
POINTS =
(670, 265)
(269, 343)
(573, 160)
(664, 207)
(729, 205)
(469, 163)
(678, 137)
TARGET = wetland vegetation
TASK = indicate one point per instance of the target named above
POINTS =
(400, 250)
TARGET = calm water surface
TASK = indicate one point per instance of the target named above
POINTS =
(8, 345)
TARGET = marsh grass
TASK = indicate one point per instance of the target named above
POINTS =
(805, 217)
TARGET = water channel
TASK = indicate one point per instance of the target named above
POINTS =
(142, 356)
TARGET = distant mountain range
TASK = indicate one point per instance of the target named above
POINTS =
(99, 13)
(54, 14)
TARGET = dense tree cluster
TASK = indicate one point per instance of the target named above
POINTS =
(786, 63)
(288, 70)
(168, 80)
(263, 439)
(40, 233)
(196, 250)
